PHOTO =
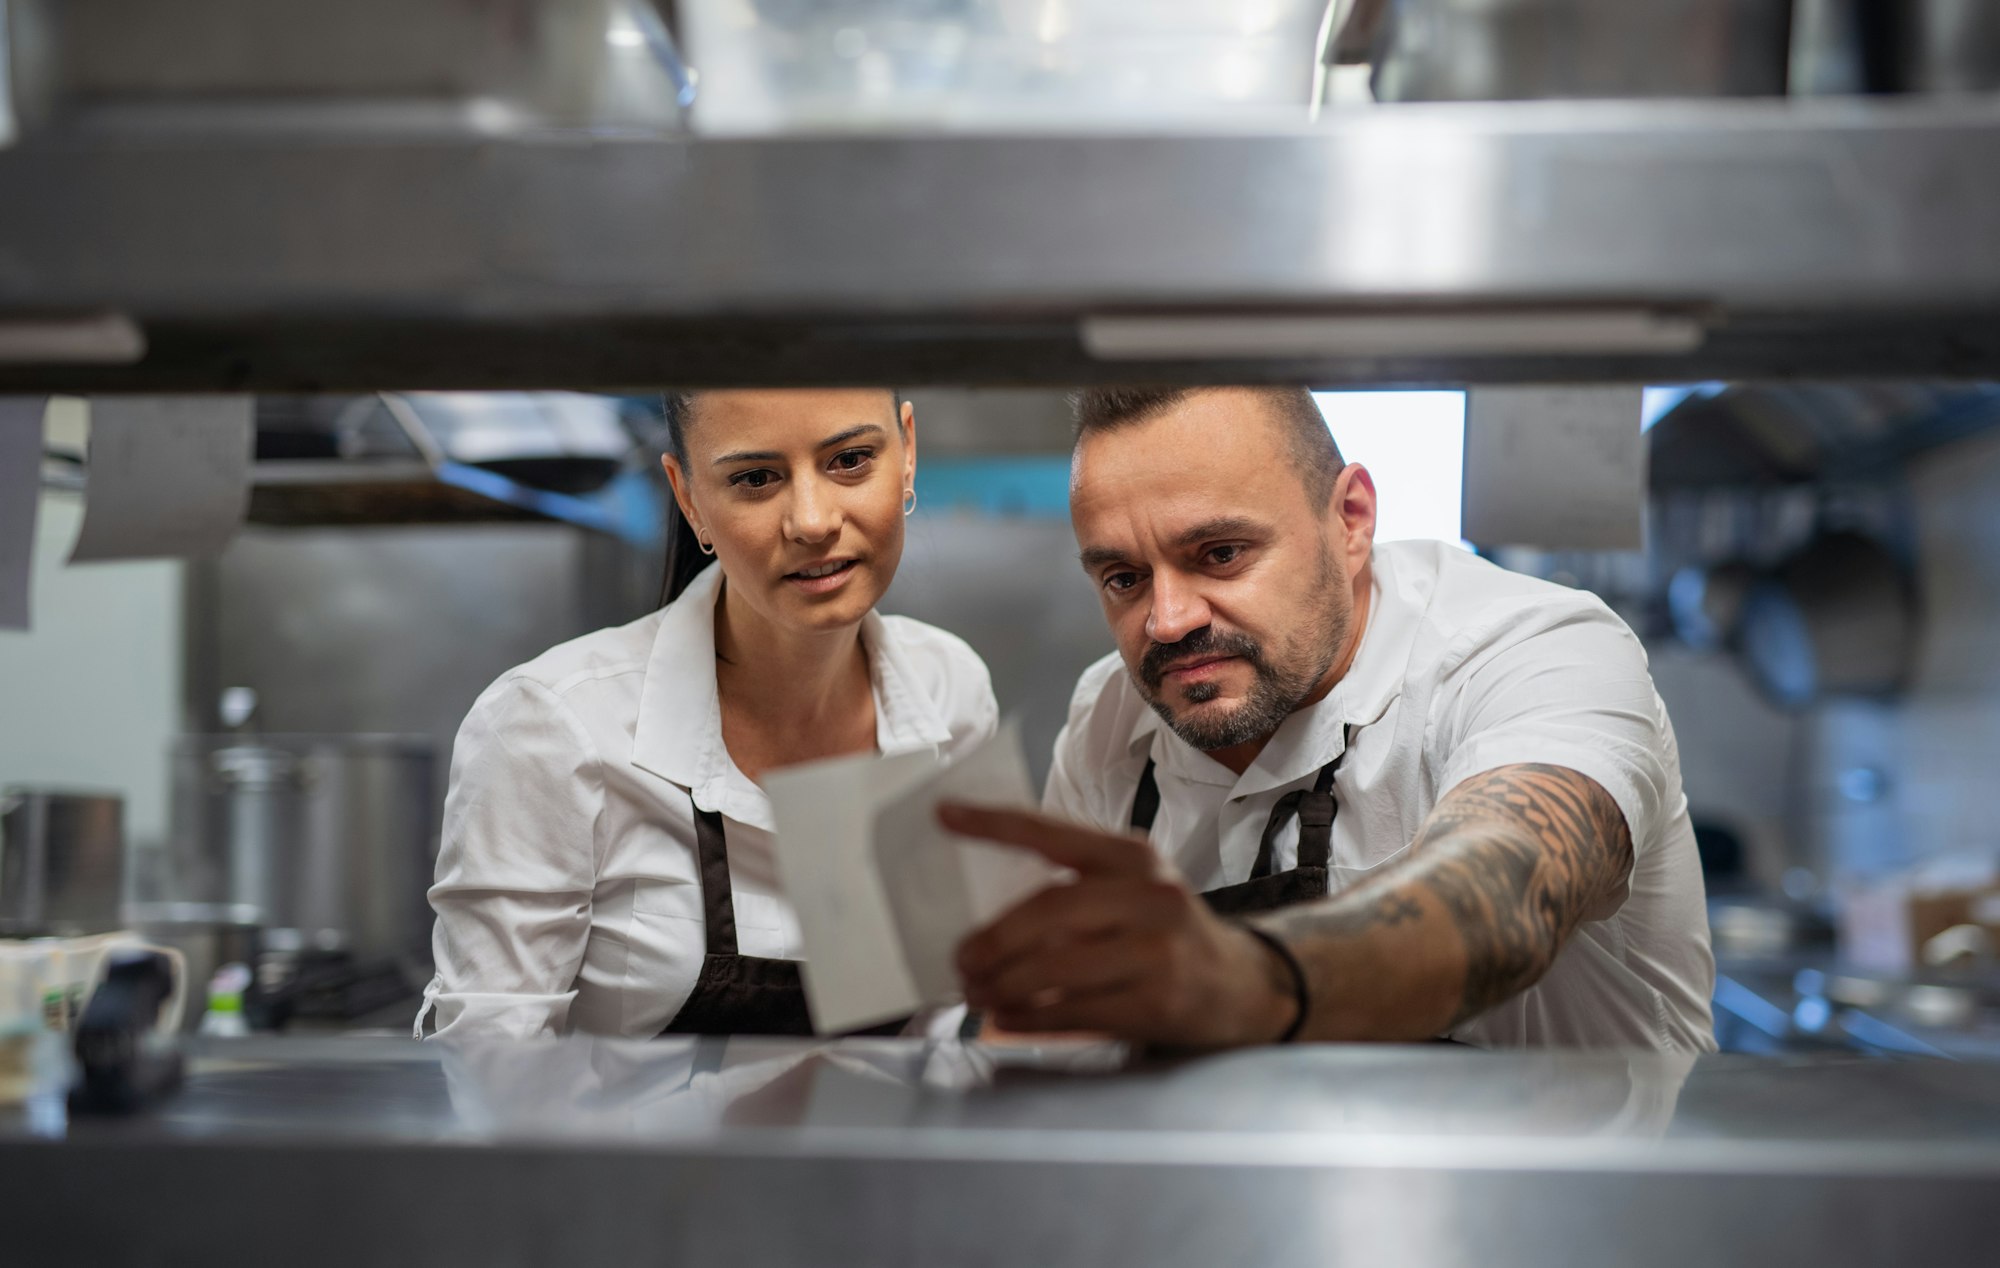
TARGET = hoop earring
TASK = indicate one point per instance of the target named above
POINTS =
(701, 544)
(909, 501)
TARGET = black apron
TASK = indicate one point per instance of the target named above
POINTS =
(1267, 890)
(1315, 808)
(739, 994)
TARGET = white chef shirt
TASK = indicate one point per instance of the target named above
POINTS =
(568, 890)
(1463, 667)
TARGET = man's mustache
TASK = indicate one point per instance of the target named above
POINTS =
(1199, 644)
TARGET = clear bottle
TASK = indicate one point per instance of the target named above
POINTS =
(225, 1002)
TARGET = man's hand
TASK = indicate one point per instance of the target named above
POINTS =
(1125, 948)
(1502, 872)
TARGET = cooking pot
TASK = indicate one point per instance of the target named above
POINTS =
(62, 862)
(1504, 50)
(321, 842)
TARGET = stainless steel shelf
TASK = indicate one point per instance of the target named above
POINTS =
(1565, 241)
(328, 492)
(893, 1151)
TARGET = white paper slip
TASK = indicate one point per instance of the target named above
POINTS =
(943, 886)
(825, 811)
(168, 476)
(1563, 468)
(20, 495)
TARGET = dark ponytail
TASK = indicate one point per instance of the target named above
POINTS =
(685, 557)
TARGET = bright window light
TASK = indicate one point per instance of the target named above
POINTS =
(1413, 443)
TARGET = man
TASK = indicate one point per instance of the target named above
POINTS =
(1443, 798)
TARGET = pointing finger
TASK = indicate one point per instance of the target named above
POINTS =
(1087, 851)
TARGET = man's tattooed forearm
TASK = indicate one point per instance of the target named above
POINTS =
(1356, 915)
(1517, 856)
(1513, 860)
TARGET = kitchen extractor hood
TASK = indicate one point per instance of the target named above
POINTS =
(1774, 240)
(225, 223)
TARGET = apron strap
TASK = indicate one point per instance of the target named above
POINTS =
(718, 899)
(1146, 802)
(1315, 808)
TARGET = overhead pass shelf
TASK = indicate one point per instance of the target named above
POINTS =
(1546, 241)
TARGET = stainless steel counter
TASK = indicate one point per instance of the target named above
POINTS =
(341, 1151)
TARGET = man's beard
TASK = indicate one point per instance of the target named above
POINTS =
(1276, 690)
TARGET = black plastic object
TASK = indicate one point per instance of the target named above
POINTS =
(123, 1064)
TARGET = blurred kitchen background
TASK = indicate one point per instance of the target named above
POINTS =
(1816, 594)
(250, 748)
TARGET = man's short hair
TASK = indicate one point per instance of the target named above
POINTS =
(1313, 451)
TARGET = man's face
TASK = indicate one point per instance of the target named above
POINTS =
(1231, 595)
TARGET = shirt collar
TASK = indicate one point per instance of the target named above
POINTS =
(907, 717)
(1315, 735)
(678, 734)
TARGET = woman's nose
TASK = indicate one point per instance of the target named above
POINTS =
(813, 515)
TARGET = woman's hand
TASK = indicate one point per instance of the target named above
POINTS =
(1125, 948)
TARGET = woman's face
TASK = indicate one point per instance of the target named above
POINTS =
(801, 494)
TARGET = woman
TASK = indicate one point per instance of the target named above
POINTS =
(607, 862)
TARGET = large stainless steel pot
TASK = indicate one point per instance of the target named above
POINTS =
(62, 862)
(1952, 46)
(322, 842)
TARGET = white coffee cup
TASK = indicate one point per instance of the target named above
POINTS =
(46, 982)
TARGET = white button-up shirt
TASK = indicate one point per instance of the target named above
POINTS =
(1463, 667)
(568, 890)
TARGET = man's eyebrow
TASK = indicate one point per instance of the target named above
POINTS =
(838, 438)
(1225, 526)
(1206, 531)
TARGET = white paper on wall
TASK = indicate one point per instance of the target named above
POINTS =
(1561, 468)
(20, 495)
(168, 476)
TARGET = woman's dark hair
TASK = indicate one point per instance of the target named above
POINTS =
(685, 557)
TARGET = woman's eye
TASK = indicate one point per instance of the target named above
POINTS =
(757, 479)
(852, 459)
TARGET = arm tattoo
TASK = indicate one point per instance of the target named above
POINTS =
(1351, 919)
(1517, 856)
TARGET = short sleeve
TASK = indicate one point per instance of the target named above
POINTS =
(1085, 753)
(1063, 795)
(516, 866)
(1568, 688)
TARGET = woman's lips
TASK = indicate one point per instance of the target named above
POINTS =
(826, 583)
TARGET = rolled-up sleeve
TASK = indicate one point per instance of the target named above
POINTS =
(1568, 688)
(517, 864)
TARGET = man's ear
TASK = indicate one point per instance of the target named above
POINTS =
(1352, 512)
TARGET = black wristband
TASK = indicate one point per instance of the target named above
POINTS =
(1301, 997)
